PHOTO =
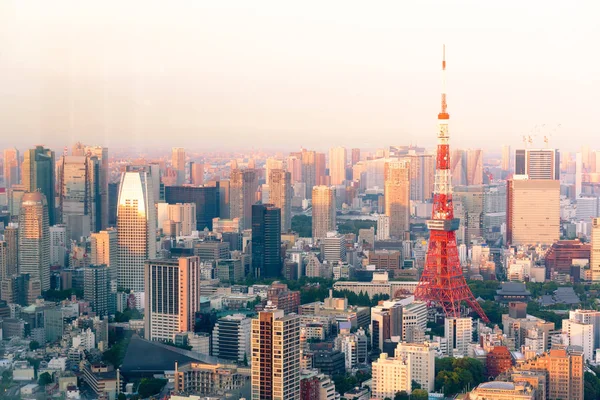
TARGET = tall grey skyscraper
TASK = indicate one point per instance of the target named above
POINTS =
(136, 227)
(79, 204)
(96, 288)
(11, 237)
(38, 174)
(266, 241)
(281, 194)
(34, 238)
(101, 153)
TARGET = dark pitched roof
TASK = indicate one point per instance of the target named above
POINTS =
(144, 356)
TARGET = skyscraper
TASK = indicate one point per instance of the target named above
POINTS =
(11, 238)
(323, 211)
(275, 355)
(355, 156)
(178, 162)
(281, 196)
(337, 165)
(270, 165)
(533, 211)
(38, 174)
(595, 252)
(422, 168)
(243, 188)
(3, 260)
(79, 205)
(309, 170)
(397, 197)
(505, 165)
(96, 288)
(105, 250)
(11, 167)
(197, 173)
(467, 167)
(34, 238)
(172, 289)
(136, 227)
(266, 240)
(231, 338)
(101, 153)
(321, 177)
(538, 163)
(459, 334)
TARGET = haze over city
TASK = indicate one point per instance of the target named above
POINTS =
(281, 75)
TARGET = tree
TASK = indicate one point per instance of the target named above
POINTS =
(415, 385)
(33, 345)
(45, 379)
(419, 394)
(6, 376)
(401, 395)
(121, 396)
(150, 386)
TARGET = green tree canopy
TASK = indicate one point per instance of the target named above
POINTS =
(45, 379)
(150, 386)
(33, 345)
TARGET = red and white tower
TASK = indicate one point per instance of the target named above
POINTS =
(442, 281)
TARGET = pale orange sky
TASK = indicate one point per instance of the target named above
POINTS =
(282, 74)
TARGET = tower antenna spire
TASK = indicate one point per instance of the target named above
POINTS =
(444, 112)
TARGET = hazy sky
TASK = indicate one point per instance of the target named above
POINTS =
(283, 74)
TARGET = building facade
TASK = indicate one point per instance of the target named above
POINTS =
(34, 238)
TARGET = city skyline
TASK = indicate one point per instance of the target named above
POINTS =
(322, 81)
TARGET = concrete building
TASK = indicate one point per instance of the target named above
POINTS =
(383, 227)
(588, 317)
(178, 163)
(172, 292)
(459, 335)
(11, 240)
(207, 380)
(59, 243)
(136, 227)
(530, 220)
(502, 391)
(96, 289)
(538, 164)
(323, 211)
(79, 205)
(182, 214)
(104, 247)
(595, 251)
(284, 299)
(397, 197)
(34, 238)
(337, 165)
(11, 167)
(411, 362)
(333, 247)
(580, 334)
(243, 188)
(275, 355)
(469, 209)
(280, 195)
(266, 241)
(39, 175)
(231, 338)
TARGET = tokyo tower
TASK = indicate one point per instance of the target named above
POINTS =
(442, 281)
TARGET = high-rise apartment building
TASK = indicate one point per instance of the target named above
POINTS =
(59, 244)
(412, 362)
(266, 240)
(34, 238)
(337, 165)
(243, 191)
(422, 168)
(231, 338)
(11, 167)
(136, 227)
(588, 317)
(533, 211)
(355, 156)
(11, 238)
(3, 260)
(38, 174)
(178, 163)
(79, 200)
(564, 368)
(383, 227)
(333, 247)
(96, 288)
(595, 252)
(459, 334)
(538, 163)
(196, 173)
(105, 250)
(323, 211)
(580, 334)
(397, 197)
(467, 167)
(275, 355)
(281, 194)
(270, 165)
(505, 163)
(321, 177)
(309, 170)
(172, 289)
